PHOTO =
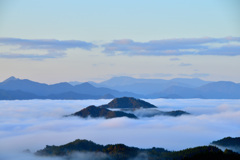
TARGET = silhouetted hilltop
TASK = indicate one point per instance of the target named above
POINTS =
(128, 102)
(229, 143)
(77, 145)
(123, 152)
(97, 112)
(114, 151)
(176, 113)
(130, 107)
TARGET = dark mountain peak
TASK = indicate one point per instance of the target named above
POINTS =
(12, 78)
(128, 102)
(97, 112)
(91, 108)
(85, 144)
(77, 145)
(228, 141)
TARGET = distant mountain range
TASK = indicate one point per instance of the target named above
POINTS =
(148, 86)
(174, 88)
(14, 88)
(123, 152)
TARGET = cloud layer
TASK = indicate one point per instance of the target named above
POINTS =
(35, 123)
(195, 75)
(229, 46)
(45, 48)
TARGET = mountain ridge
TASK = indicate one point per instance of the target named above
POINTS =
(128, 102)
(97, 112)
(123, 152)
(45, 91)
(138, 88)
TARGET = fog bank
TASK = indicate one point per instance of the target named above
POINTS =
(34, 124)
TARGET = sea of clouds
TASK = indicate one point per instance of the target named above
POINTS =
(33, 124)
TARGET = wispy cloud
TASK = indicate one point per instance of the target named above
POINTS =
(46, 43)
(228, 46)
(42, 48)
(174, 59)
(33, 124)
(163, 75)
(195, 75)
(185, 64)
(32, 56)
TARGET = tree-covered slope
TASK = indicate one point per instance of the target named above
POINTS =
(123, 152)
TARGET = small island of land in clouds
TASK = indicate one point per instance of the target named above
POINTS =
(125, 104)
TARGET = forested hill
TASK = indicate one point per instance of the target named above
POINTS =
(123, 152)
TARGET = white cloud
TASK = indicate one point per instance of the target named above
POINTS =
(185, 64)
(36, 123)
(228, 46)
(39, 49)
(194, 75)
(174, 59)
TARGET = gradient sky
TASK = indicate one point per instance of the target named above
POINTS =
(75, 40)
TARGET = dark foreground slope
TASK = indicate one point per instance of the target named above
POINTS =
(128, 102)
(97, 112)
(123, 152)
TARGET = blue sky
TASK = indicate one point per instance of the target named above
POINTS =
(60, 40)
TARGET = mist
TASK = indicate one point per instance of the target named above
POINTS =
(33, 124)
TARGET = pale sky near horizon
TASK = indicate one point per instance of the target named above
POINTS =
(53, 41)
